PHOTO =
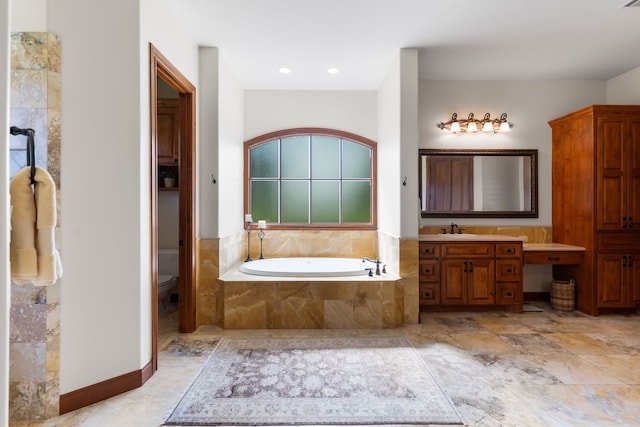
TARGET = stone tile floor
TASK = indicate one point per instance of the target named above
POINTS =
(548, 368)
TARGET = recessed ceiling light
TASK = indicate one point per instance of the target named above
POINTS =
(285, 70)
(333, 70)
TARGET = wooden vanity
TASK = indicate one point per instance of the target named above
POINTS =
(470, 271)
(482, 271)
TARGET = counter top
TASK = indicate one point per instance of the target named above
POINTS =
(555, 247)
(467, 238)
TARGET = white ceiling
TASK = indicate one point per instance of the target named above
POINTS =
(457, 40)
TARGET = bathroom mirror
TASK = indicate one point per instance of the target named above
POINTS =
(478, 183)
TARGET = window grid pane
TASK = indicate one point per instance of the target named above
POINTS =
(294, 203)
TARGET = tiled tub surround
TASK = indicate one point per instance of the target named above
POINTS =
(34, 343)
(244, 301)
(258, 302)
(216, 257)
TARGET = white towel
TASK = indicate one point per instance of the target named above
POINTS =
(34, 257)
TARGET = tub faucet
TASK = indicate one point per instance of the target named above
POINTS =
(377, 261)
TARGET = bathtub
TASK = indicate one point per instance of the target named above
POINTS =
(308, 267)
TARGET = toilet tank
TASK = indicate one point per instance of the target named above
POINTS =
(168, 262)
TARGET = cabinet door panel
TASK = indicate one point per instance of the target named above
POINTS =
(633, 266)
(611, 280)
(633, 198)
(454, 277)
(168, 131)
(611, 135)
(481, 285)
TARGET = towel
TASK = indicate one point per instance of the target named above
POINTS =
(34, 257)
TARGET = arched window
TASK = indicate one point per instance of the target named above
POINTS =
(311, 178)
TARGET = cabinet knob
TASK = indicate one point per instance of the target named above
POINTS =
(509, 294)
(427, 270)
(509, 270)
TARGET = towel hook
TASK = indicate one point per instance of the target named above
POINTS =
(31, 149)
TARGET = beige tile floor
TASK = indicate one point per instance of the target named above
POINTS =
(545, 368)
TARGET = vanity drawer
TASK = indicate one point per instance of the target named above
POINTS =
(429, 250)
(429, 293)
(508, 250)
(553, 257)
(508, 293)
(508, 270)
(430, 271)
(466, 250)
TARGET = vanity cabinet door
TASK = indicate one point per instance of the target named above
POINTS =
(480, 282)
(468, 282)
(454, 282)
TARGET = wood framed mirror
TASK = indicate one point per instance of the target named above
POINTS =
(478, 183)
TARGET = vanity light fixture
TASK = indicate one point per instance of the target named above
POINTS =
(472, 125)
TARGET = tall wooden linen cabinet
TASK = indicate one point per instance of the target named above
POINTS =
(596, 203)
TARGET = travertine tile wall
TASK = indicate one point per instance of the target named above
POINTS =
(35, 311)
(259, 305)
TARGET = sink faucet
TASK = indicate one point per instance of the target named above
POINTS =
(377, 261)
(453, 227)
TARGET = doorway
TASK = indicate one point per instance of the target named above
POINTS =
(161, 68)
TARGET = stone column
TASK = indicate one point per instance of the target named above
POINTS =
(34, 371)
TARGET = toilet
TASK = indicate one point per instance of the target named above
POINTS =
(168, 264)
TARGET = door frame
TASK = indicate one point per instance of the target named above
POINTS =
(160, 67)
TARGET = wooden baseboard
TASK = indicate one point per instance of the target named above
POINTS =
(537, 296)
(104, 390)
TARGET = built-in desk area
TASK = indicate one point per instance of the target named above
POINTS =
(552, 253)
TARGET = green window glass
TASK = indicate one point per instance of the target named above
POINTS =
(311, 179)
(356, 161)
(325, 202)
(264, 200)
(295, 157)
(325, 157)
(356, 202)
(264, 160)
(295, 202)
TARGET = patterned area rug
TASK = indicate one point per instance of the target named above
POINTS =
(370, 380)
